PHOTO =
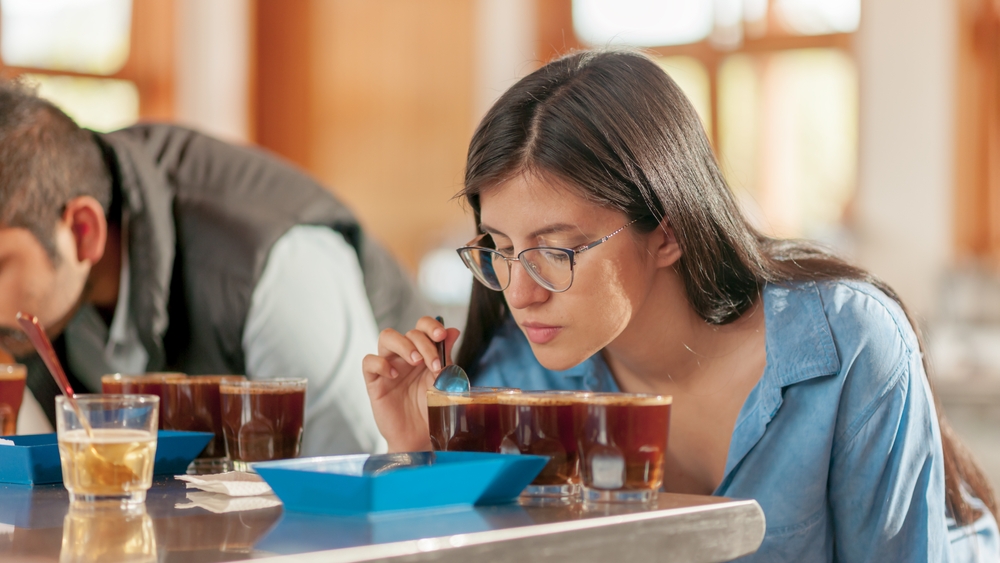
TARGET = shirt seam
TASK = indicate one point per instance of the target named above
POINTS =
(854, 430)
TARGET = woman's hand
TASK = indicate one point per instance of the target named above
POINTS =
(398, 379)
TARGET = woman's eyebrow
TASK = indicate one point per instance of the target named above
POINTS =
(551, 229)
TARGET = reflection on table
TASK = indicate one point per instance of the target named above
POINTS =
(177, 525)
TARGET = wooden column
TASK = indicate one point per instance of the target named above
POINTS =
(375, 100)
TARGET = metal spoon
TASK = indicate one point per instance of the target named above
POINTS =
(452, 379)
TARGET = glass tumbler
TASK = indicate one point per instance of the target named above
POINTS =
(112, 459)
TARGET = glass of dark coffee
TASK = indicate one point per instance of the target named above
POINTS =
(542, 423)
(144, 384)
(193, 403)
(622, 444)
(465, 422)
(12, 380)
(262, 420)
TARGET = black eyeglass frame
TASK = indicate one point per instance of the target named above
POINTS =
(571, 252)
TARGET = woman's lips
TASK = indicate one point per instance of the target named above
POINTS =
(539, 333)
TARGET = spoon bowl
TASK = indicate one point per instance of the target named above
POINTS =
(452, 379)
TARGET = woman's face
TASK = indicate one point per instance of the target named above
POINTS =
(610, 281)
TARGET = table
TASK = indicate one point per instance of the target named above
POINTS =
(37, 524)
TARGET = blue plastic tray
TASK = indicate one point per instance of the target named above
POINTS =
(358, 484)
(34, 459)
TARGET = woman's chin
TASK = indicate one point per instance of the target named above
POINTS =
(557, 360)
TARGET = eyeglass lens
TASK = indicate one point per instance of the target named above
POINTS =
(552, 268)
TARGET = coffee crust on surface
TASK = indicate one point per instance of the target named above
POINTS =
(206, 379)
(436, 398)
(14, 374)
(230, 390)
(542, 399)
(627, 400)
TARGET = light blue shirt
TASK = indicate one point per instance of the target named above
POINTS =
(838, 442)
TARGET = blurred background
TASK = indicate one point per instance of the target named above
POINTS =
(873, 126)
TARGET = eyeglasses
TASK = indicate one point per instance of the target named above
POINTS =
(551, 267)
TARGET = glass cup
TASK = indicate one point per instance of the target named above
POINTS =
(93, 533)
(145, 384)
(465, 422)
(12, 378)
(262, 420)
(623, 443)
(542, 423)
(193, 403)
(114, 460)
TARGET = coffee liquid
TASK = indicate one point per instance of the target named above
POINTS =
(623, 442)
(11, 394)
(540, 425)
(261, 424)
(194, 404)
(464, 424)
(151, 384)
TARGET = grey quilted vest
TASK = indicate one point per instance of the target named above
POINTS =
(203, 216)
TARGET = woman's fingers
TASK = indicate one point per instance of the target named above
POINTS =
(376, 366)
(391, 342)
(427, 349)
(419, 345)
(434, 330)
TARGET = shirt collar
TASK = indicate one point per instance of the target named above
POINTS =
(118, 331)
(799, 342)
(800, 347)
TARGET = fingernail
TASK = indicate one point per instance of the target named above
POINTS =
(393, 373)
(440, 334)
(415, 356)
(436, 366)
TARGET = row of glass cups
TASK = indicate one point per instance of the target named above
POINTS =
(111, 457)
(603, 447)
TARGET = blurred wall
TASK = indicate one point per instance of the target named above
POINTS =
(903, 221)
(213, 66)
(378, 100)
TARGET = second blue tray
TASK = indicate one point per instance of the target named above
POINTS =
(358, 484)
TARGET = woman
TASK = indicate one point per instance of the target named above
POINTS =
(614, 257)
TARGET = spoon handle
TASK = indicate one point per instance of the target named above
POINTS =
(44, 347)
(440, 345)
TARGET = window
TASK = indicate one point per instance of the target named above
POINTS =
(774, 81)
(106, 63)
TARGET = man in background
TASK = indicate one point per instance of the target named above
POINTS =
(156, 248)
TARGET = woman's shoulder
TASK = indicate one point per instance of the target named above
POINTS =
(859, 335)
(856, 314)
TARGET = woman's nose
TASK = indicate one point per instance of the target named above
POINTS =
(523, 291)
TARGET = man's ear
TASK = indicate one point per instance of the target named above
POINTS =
(664, 246)
(85, 218)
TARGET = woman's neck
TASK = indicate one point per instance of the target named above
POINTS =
(668, 348)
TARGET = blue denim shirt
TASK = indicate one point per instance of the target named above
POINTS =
(838, 442)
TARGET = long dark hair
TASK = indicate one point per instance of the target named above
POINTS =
(613, 124)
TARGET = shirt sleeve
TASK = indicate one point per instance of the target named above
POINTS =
(887, 477)
(310, 317)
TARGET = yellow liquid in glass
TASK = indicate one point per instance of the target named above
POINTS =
(115, 462)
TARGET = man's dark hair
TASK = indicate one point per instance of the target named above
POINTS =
(45, 161)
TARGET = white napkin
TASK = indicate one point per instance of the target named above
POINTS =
(220, 503)
(6, 442)
(233, 483)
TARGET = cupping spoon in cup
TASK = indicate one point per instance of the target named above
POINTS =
(45, 350)
(452, 379)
